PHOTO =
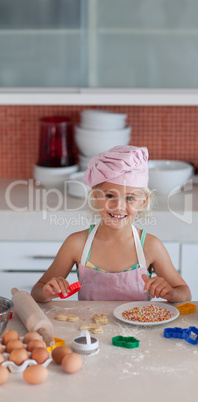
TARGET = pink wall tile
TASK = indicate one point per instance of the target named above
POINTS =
(169, 132)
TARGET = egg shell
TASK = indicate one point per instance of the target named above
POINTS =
(59, 352)
(4, 375)
(35, 374)
(18, 356)
(35, 343)
(1, 348)
(2, 358)
(13, 344)
(30, 336)
(40, 355)
(71, 363)
(8, 335)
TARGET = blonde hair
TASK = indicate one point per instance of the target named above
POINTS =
(146, 211)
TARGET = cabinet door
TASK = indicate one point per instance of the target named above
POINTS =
(27, 255)
(25, 281)
(141, 44)
(43, 43)
(99, 43)
(189, 267)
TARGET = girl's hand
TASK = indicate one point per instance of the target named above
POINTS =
(56, 285)
(158, 287)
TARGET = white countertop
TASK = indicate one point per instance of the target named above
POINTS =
(30, 212)
(159, 369)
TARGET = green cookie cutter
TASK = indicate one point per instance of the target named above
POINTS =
(125, 341)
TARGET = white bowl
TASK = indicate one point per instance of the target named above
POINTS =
(76, 185)
(92, 145)
(166, 176)
(103, 134)
(102, 119)
(53, 177)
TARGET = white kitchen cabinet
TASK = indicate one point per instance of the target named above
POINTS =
(99, 43)
(22, 263)
(43, 43)
(189, 267)
(141, 44)
(25, 281)
(27, 255)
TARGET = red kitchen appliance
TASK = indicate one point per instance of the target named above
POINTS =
(56, 147)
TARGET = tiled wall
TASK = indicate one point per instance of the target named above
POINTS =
(169, 132)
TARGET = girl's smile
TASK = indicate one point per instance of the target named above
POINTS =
(118, 204)
(117, 216)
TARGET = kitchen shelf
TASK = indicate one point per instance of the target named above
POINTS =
(102, 96)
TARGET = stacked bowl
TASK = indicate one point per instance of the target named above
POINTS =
(99, 131)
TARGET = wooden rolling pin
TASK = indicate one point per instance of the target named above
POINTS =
(32, 316)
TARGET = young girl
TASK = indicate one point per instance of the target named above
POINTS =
(114, 259)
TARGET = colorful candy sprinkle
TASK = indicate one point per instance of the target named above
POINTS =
(150, 313)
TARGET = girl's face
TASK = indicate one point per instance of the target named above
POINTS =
(118, 205)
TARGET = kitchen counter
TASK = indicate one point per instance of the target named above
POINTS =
(30, 212)
(160, 369)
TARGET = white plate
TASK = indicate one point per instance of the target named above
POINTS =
(120, 309)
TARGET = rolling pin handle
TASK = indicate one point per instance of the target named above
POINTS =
(14, 290)
(47, 338)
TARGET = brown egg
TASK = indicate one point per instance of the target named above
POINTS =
(59, 352)
(30, 336)
(4, 375)
(18, 356)
(71, 363)
(1, 348)
(35, 374)
(2, 358)
(35, 343)
(9, 335)
(13, 344)
(40, 355)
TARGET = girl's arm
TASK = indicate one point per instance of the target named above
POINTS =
(168, 283)
(53, 280)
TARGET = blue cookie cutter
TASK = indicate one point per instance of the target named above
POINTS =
(192, 335)
(176, 332)
(189, 334)
(125, 342)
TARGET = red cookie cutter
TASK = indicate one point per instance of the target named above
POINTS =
(74, 288)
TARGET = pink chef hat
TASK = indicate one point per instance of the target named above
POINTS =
(126, 165)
